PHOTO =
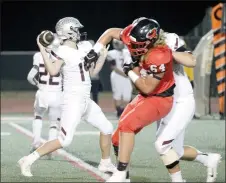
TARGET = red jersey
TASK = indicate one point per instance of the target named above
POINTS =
(159, 60)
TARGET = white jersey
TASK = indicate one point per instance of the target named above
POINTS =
(183, 86)
(75, 78)
(119, 57)
(46, 82)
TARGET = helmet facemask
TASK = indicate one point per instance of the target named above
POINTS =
(140, 39)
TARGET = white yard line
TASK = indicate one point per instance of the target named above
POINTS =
(23, 119)
(5, 133)
(86, 133)
(94, 172)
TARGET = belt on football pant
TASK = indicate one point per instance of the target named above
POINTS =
(168, 93)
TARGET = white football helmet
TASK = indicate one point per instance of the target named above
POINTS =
(68, 28)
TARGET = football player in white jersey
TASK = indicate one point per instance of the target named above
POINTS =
(76, 102)
(120, 83)
(48, 97)
(171, 129)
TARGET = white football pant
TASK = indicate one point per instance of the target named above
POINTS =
(75, 108)
(121, 87)
(171, 129)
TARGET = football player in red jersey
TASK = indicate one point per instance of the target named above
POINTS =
(153, 59)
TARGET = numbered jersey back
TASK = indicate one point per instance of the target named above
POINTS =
(47, 82)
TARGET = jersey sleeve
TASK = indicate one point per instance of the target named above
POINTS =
(36, 59)
(182, 47)
(158, 60)
(57, 53)
(127, 56)
(85, 46)
(110, 55)
(175, 43)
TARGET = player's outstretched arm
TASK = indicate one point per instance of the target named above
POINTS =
(94, 70)
(108, 35)
(105, 38)
(184, 58)
(52, 66)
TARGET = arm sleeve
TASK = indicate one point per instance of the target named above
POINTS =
(175, 43)
(31, 77)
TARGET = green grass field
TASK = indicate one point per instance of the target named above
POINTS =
(208, 136)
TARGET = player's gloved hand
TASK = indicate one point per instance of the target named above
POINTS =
(90, 58)
(135, 61)
(127, 67)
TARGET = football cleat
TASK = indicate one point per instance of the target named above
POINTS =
(212, 163)
(127, 180)
(107, 167)
(25, 167)
(118, 176)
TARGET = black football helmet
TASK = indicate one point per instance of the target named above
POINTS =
(141, 35)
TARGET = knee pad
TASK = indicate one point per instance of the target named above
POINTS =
(54, 115)
(54, 124)
(39, 111)
(107, 129)
(170, 158)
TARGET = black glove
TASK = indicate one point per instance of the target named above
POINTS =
(135, 61)
(90, 58)
(127, 68)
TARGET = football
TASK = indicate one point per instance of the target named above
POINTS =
(46, 38)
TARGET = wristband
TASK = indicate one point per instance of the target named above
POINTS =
(133, 76)
(97, 47)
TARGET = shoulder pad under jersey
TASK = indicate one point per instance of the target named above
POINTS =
(36, 58)
(158, 56)
(85, 46)
(111, 55)
(173, 41)
(58, 53)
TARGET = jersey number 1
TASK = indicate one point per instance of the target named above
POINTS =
(81, 71)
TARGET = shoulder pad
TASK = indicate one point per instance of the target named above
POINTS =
(85, 46)
(111, 55)
(58, 53)
(173, 41)
(36, 58)
(159, 55)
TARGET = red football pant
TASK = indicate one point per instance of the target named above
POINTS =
(140, 112)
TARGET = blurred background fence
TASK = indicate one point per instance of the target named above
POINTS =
(15, 65)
